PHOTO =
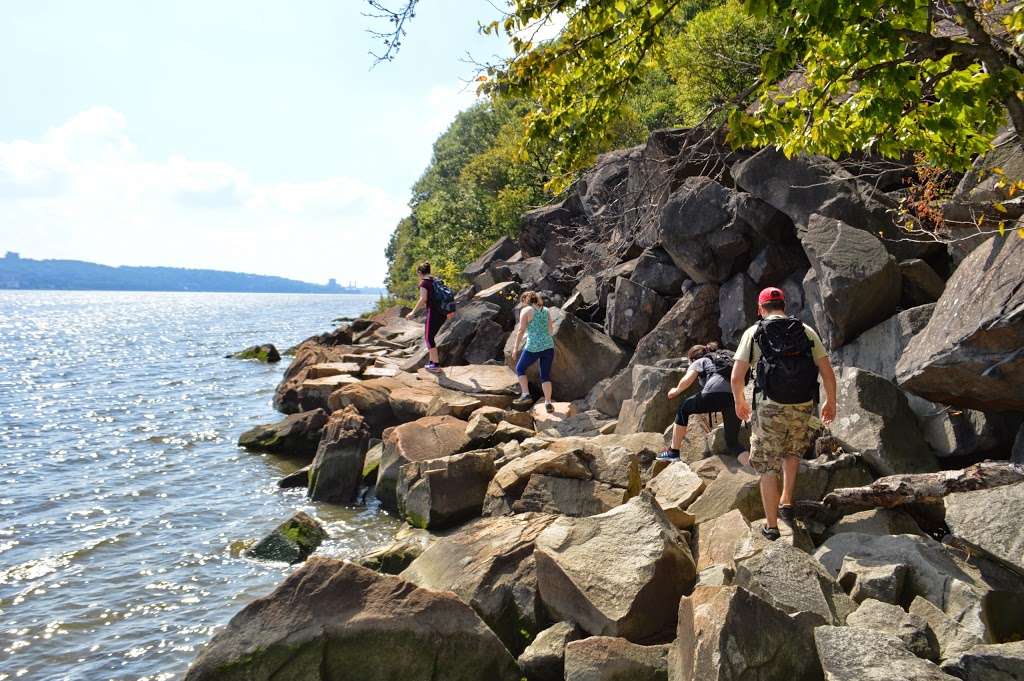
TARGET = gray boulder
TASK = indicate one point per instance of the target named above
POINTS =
(872, 579)
(294, 435)
(439, 493)
(859, 282)
(649, 409)
(676, 488)
(879, 348)
(544, 658)
(774, 264)
(489, 564)
(737, 300)
(337, 468)
(953, 638)
(567, 496)
(655, 270)
(921, 285)
(645, 568)
(893, 620)
(577, 344)
(700, 233)
(503, 249)
(990, 520)
(855, 654)
(875, 419)
(333, 615)
(726, 633)
(969, 354)
(633, 310)
(967, 432)
(291, 542)
(733, 488)
(605, 658)
(994, 662)
(878, 521)
(693, 319)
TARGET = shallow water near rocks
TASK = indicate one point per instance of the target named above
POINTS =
(121, 486)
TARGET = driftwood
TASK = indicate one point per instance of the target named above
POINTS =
(925, 488)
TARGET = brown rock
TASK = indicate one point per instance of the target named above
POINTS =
(431, 437)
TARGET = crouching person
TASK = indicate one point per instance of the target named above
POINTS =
(788, 357)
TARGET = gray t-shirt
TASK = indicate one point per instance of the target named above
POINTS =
(712, 381)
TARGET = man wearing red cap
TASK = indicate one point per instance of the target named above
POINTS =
(788, 357)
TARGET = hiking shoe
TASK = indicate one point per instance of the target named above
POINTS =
(770, 533)
(522, 402)
(787, 513)
(549, 407)
(668, 455)
(432, 368)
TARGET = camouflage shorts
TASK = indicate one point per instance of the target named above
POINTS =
(780, 430)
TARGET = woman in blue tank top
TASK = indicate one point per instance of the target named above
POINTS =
(536, 323)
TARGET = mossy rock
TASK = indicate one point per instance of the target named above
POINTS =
(265, 353)
(292, 541)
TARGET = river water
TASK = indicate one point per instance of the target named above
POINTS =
(121, 486)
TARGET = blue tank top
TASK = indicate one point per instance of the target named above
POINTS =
(537, 337)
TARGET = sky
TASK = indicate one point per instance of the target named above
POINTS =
(251, 136)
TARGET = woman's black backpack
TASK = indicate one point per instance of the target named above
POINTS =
(442, 298)
(786, 372)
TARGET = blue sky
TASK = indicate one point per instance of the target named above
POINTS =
(241, 135)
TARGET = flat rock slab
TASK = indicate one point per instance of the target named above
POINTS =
(854, 654)
(605, 658)
(731, 489)
(334, 369)
(477, 378)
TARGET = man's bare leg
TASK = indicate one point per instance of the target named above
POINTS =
(790, 468)
(770, 498)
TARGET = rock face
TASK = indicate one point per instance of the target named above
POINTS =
(265, 353)
(633, 310)
(999, 662)
(875, 419)
(577, 344)
(855, 654)
(700, 234)
(969, 354)
(292, 541)
(645, 569)
(693, 319)
(567, 496)
(544, 659)
(332, 615)
(432, 437)
(649, 409)
(990, 520)
(294, 435)
(503, 249)
(737, 300)
(726, 633)
(489, 563)
(893, 620)
(879, 348)
(605, 658)
(952, 637)
(439, 493)
(732, 488)
(859, 282)
(655, 270)
(337, 469)
(921, 285)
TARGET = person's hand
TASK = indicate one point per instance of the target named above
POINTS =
(674, 393)
(828, 412)
(743, 409)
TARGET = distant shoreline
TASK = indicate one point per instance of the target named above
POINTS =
(366, 292)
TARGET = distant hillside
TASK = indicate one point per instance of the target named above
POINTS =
(75, 275)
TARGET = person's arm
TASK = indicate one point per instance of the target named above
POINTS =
(737, 381)
(685, 382)
(551, 324)
(419, 303)
(828, 381)
(524, 319)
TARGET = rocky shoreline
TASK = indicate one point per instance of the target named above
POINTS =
(553, 546)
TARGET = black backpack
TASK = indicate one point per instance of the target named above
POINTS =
(786, 372)
(442, 299)
(722, 361)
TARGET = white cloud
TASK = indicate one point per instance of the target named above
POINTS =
(85, 191)
(444, 103)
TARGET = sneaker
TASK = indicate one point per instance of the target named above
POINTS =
(770, 533)
(433, 368)
(668, 455)
(787, 513)
(522, 402)
(549, 407)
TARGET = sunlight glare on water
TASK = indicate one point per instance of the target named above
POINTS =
(121, 486)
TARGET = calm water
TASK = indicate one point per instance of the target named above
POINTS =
(121, 487)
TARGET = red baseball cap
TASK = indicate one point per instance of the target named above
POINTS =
(769, 294)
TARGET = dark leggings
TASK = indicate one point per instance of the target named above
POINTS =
(708, 403)
(546, 358)
(431, 327)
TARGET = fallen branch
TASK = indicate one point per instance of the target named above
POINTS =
(925, 488)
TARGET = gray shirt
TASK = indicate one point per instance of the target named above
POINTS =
(712, 381)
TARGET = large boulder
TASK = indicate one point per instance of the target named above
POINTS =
(371, 398)
(737, 300)
(693, 319)
(567, 496)
(265, 353)
(294, 435)
(439, 493)
(577, 344)
(855, 654)
(337, 469)
(489, 564)
(675, 488)
(774, 264)
(952, 637)
(291, 542)
(875, 419)
(502, 249)
(733, 488)
(655, 270)
(921, 284)
(427, 398)
(649, 409)
(700, 233)
(332, 615)
(994, 662)
(633, 310)
(893, 620)
(544, 658)
(726, 540)
(990, 520)
(620, 573)
(432, 437)
(969, 354)
(606, 658)
(879, 348)
(726, 633)
(476, 380)
(511, 480)
(287, 397)
(966, 432)
(859, 282)
(477, 317)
